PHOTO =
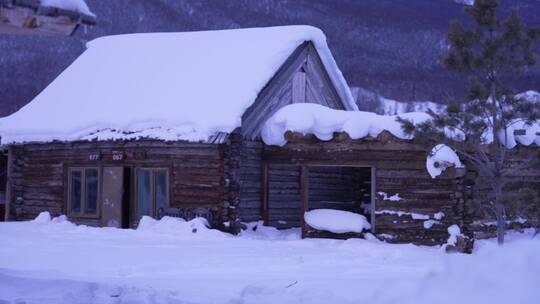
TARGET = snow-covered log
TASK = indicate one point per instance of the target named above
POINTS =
(44, 17)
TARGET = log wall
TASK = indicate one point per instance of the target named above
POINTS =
(426, 206)
(341, 188)
(38, 173)
(244, 173)
(425, 209)
(284, 196)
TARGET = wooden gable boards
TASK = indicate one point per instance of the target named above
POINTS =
(302, 78)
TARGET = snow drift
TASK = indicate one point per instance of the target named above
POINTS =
(57, 262)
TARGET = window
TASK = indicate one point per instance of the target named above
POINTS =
(152, 191)
(83, 191)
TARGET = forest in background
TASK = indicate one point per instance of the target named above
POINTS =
(389, 47)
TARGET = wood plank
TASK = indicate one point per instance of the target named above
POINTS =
(299, 87)
(304, 195)
(264, 194)
(373, 205)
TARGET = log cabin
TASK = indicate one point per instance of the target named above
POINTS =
(36, 17)
(172, 124)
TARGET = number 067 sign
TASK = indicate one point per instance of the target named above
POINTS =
(117, 155)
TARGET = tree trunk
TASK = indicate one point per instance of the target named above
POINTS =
(496, 154)
(501, 223)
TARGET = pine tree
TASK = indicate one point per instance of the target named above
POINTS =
(490, 53)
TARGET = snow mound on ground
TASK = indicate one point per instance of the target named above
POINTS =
(441, 158)
(258, 231)
(71, 5)
(198, 227)
(336, 221)
(308, 118)
(44, 221)
(43, 218)
(177, 86)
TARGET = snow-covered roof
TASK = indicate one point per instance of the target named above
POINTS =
(323, 122)
(71, 5)
(172, 86)
(44, 17)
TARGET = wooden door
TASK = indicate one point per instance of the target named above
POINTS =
(111, 195)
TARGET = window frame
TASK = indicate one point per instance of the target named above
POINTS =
(82, 213)
(152, 207)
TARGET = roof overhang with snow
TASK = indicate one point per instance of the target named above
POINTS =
(327, 124)
(168, 86)
(44, 17)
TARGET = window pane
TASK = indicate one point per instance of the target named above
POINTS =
(91, 199)
(161, 189)
(75, 194)
(143, 192)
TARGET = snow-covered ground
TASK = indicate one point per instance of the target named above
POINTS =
(56, 261)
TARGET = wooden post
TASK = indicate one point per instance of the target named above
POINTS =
(304, 195)
(265, 190)
(7, 209)
(373, 197)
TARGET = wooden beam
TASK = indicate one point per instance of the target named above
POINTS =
(264, 194)
(304, 195)
(22, 20)
(373, 197)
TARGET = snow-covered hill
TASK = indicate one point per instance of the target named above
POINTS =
(466, 2)
(372, 102)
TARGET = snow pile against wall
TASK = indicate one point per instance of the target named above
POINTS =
(167, 86)
(71, 5)
(197, 227)
(258, 231)
(441, 158)
(322, 122)
(336, 221)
